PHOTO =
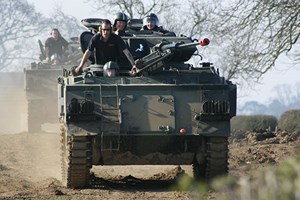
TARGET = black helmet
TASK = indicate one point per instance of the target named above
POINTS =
(110, 66)
(152, 17)
(120, 17)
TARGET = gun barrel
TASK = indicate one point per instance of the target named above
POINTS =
(203, 42)
(177, 46)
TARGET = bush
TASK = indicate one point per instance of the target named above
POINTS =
(274, 182)
(241, 124)
(290, 121)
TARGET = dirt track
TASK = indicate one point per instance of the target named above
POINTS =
(30, 169)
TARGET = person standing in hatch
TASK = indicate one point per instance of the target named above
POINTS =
(55, 47)
(120, 24)
(107, 46)
(151, 22)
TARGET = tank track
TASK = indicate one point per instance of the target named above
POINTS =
(215, 162)
(76, 160)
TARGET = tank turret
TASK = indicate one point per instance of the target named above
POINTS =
(163, 53)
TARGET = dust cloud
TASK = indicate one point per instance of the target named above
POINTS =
(26, 156)
(13, 103)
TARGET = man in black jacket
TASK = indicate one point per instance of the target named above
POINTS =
(55, 47)
(107, 46)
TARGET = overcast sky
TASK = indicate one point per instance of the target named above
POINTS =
(281, 74)
(78, 8)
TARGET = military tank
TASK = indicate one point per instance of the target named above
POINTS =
(167, 112)
(40, 84)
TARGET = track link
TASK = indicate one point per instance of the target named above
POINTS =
(76, 160)
(216, 159)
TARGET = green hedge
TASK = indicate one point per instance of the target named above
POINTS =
(290, 121)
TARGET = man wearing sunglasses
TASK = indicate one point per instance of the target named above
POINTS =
(107, 46)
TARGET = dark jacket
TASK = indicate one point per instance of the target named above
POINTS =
(111, 50)
(55, 46)
(156, 29)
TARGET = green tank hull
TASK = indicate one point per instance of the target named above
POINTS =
(148, 120)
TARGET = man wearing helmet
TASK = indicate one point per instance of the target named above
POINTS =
(151, 22)
(107, 47)
(110, 69)
(120, 24)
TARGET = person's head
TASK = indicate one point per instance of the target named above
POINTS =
(110, 69)
(55, 33)
(150, 21)
(105, 28)
(120, 21)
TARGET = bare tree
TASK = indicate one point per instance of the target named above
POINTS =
(68, 25)
(134, 8)
(199, 17)
(19, 21)
(247, 37)
(287, 94)
(255, 34)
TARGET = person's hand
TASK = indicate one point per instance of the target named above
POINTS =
(78, 69)
(46, 61)
(134, 70)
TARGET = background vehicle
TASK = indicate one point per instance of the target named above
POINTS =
(40, 84)
(169, 113)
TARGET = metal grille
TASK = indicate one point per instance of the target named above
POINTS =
(216, 107)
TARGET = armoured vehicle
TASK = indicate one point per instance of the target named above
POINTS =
(167, 112)
(40, 84)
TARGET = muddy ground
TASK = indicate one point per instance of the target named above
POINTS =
(30, 169)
